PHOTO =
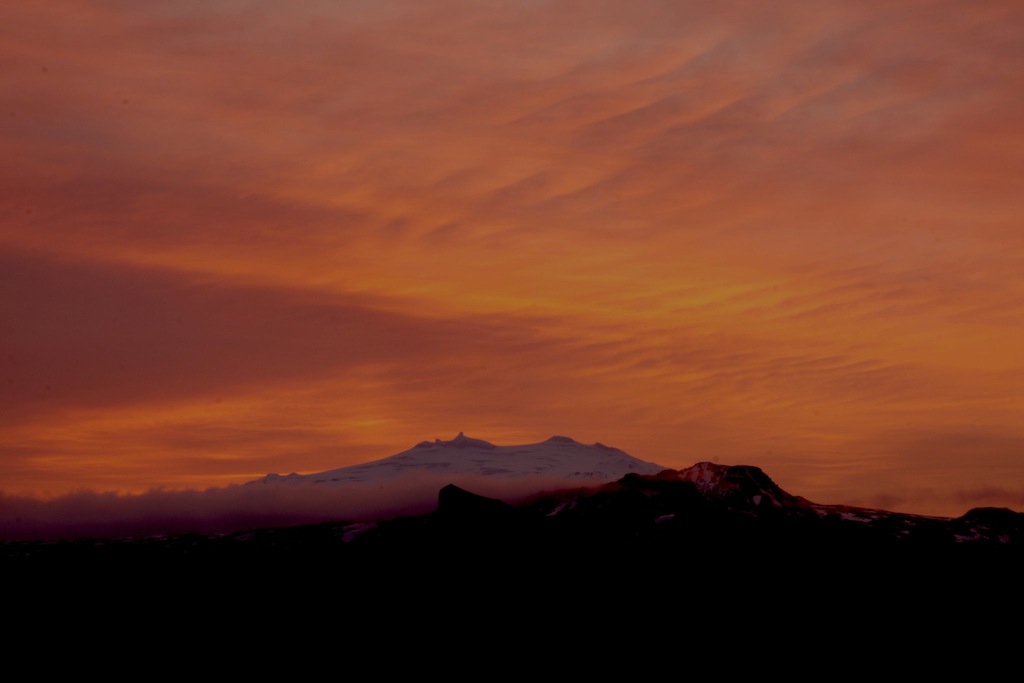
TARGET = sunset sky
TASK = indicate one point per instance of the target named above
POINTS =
(251, 237)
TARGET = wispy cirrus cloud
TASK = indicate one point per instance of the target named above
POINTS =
(703, 228)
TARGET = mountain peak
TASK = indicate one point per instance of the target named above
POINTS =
(738, 482)
(463, 457)
(463, 441)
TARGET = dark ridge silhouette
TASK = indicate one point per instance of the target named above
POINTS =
(458, 504)
(709, 516)
(659, 551)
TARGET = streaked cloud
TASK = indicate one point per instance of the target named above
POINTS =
(246, 237)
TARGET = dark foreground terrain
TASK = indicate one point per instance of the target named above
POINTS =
(696, 566)
(730, 537)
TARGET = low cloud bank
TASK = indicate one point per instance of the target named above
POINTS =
(220, 510)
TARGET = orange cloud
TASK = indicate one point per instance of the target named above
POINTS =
(294, 237)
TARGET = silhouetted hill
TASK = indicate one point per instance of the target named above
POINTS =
(705, 522)
(714, 560)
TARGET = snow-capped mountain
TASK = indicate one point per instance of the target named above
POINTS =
(745, 486)
(557, 458)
